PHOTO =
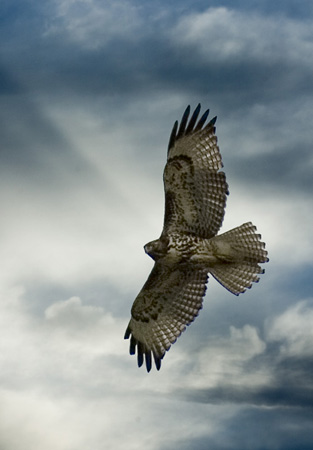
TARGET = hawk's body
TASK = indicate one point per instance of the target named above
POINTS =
(188, 248)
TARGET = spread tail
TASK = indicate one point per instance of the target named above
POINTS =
(239, 272)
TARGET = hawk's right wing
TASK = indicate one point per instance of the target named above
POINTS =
(195, 187)
(170, 299)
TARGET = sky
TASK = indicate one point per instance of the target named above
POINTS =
(89, 93)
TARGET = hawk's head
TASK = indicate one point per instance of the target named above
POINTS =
(157, 249)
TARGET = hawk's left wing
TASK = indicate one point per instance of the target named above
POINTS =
(170, 299)
(195, 187)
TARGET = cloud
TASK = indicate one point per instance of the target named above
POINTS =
(72, 314)
(91, 24)
(245, 369)
(293, 330)
(69, 335)
(245, 35)
(256, 428)
(89, 94)
(242, 56)
(224, 357)
(74, 387)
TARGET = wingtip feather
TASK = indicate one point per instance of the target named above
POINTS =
(127, 333)
(132, 345)
(193, 119)
(148, 361)
(173, 136)
(186, 128)
(157, 361)
(183, 123)
(213, 121)
(202, 120)
(143, 353)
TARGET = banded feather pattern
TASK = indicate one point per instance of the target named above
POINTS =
(195, 187)
(178, 295)
(189, 248)
(249, 251)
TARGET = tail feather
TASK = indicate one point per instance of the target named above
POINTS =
(238, 274)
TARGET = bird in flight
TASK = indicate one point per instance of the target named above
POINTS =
(189, 248)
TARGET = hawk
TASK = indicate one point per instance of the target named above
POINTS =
(189, 248)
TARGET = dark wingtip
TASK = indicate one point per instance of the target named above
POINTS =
(185, 129)
(193, 119)
(213, 121)
(183, 123)
(202, 120)
(132, 345)
(143, 353)
(140, 353)
(127, 332)
(173, 136)
(148, 361)
(139, 359)
(157, 361)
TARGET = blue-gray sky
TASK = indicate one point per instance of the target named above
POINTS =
(89, 92)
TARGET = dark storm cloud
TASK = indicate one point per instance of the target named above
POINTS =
(153, 65)
(53, 63)
(8, 85)
(150, 61)
(287, 168)
(291, 386)
(278, 415)
(285, 364)
(260, 429)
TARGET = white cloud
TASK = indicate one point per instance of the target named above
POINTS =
(222, 34)
(114, 422)
(293, 330)
(64, 383)
(222, 361)
(64, 344)
(88, 325)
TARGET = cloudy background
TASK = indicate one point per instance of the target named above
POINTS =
(89, 92)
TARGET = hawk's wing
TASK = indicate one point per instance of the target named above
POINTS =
(170, 299)
(195, 189)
